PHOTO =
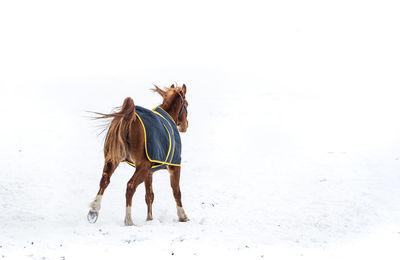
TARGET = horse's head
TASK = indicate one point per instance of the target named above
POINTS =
(175, 104)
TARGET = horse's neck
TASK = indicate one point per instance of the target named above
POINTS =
(171, 112)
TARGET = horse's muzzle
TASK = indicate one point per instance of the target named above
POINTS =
(183, 127)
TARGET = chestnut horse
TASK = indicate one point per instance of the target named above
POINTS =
(126, 142)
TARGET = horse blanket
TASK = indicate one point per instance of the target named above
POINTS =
(162, 140)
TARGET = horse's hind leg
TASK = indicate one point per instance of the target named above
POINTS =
(149, 195)
(175, 172)
(95, 206)
(138, 177)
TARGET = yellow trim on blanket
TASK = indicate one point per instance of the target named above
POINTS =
(145, 143)
(173, 149)
(170, 142)
(131, 163)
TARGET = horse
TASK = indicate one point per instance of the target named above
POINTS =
(125, 142)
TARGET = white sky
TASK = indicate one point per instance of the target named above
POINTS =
(301, 44)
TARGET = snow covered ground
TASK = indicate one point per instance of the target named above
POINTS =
(293, 146)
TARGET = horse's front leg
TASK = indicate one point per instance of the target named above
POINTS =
(138, 177)
(175, 172)
(95, 206)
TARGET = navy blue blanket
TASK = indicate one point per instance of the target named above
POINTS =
(163, 142)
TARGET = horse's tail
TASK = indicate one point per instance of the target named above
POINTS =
(117, 142)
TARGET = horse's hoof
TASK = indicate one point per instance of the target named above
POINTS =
(186, 219)
(92, 216)
(128, 222)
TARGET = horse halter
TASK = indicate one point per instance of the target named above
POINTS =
(183, 107)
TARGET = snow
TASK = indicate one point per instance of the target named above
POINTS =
(293, 146)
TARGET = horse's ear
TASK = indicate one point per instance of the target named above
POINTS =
(184, 89)
(172, 86)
